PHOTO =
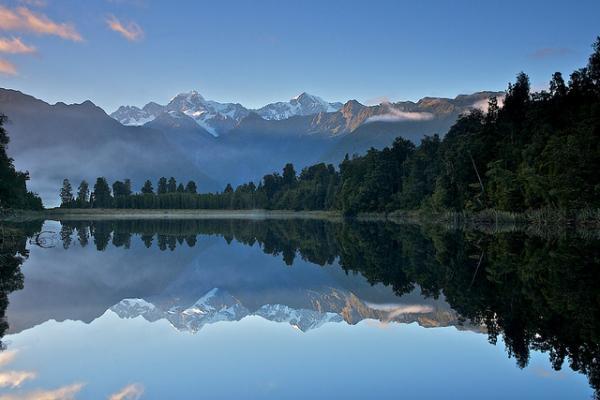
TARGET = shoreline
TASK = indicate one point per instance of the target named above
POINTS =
(128, 214)
(484, 220)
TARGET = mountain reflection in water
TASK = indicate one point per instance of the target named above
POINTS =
(535, 293)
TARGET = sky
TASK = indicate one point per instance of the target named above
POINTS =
(116, 52)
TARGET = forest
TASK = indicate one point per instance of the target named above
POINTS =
(536, 151)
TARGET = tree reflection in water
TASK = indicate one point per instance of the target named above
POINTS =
(537, 293)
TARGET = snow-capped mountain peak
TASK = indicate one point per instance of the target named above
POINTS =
(219, 305)
(132, 115)
(217, 118)
(190, 99)
(303, 104)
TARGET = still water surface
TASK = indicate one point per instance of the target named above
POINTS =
(296, 309)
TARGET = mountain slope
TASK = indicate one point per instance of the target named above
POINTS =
(361, 127)
(80, 141)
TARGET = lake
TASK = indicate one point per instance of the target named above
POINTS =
(273, 309)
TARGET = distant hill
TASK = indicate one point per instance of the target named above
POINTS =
(80, 141)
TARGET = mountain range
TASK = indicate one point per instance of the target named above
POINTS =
(326, 306)
(217, 118)
(213, 143)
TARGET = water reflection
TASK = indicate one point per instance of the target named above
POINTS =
(533, 293)
(13, 252)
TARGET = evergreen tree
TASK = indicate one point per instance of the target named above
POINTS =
(162, 186)
(102, 195)
(172, 185)
(66, 194)
(289, 175)
(557, 85)
(180, 188)
(127, 187)
(147, 188)
(191, 187)
(82, 194)
(119, 189)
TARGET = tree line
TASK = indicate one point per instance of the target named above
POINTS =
(313, 189)
(537, 150)
(13, 183)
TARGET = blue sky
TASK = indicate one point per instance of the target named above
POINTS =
(255, 52)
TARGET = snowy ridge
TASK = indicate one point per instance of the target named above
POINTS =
(216, 117)
(218, 305)
(302, 319)
(303, 104)
(330, 307)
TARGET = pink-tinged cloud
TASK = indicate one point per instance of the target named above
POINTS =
(133, 391)
(14, 379)
(132, 31)
(24, 20)
(7, 68)
(15, 46)
(7, 357)
(63, 393)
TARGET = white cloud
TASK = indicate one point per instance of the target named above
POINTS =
(398, 309)
(483, 105)
(394, 115)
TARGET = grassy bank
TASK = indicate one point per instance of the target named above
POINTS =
(545, 219)
(541, 217)
(21, 215)
(101, 213)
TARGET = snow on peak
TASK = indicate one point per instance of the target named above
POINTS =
(303, 104)
(217, 117)
(219, 305)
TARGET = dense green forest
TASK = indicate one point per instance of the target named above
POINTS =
(539, 150)
(13, 184)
